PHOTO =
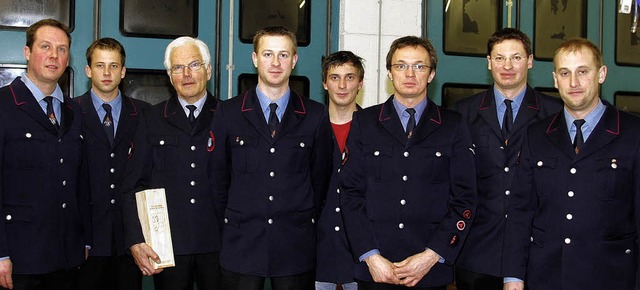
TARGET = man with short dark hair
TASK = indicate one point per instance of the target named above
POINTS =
(408, 184)
(41, 233)
(497, 132)
(110, 119)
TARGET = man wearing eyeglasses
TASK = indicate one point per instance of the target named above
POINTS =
(498, 119)
(170, 151)
(408, 187)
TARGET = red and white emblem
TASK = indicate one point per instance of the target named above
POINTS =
(461, 225)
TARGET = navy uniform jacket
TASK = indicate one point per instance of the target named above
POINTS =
(167, 153)
(575, 217)
(103, 172)
(335, 263)
(274, 186)
(401, 196)
(495, 169)
(41, 229)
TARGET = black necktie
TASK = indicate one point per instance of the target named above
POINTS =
(50, 113)
(578, 141)
(273, 119)
(192, 116)
(507, 120)
(108, 123)
(412, 121)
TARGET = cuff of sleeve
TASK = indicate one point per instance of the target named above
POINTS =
(368, 254)
(511, 279)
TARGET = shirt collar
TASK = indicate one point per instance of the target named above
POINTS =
(37, 93)
(97, 102)
(400, 109)
(265, 101)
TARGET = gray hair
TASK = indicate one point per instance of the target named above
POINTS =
(186, 40)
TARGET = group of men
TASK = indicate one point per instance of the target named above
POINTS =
(515, 188)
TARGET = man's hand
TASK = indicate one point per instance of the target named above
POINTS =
(411, 270)
(141, 254)
(514, 286)
(6, 268)
(381, 269)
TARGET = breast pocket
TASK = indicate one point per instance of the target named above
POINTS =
(433, 165)
(544, 174)
(617, 173)
(243, 151)
(28, 149)
(378, 159)
(298, 150)
(165, 151)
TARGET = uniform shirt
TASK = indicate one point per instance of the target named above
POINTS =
(265, 101)
(501, 108)
(591, 120)
(199, 104)
(404, 115)
(116, 108)
(58, 98)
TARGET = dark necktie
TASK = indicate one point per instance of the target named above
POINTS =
(50, 113)
(412, 121)
(578, 141)
(507, 120)
(192, 116)
(273, 119)
(108, 123)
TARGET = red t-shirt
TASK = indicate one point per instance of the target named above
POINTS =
(341, 131)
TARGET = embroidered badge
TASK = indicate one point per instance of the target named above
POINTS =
(454, 240)
(461, 225)
(211, 143)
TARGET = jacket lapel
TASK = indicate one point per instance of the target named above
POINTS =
(24, 99)
(487, 110)
(252, 111)
(390, 121)
(176, 116)
(294, 113)
(607, 129)
(206, 113)
(128, 120)
(93, 122)
(528, 109)
(559, 135)
(429, 122)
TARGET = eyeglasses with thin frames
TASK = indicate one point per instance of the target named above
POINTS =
(419, 67)
(194, 66)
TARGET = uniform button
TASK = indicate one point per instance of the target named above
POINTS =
(573, 171)
(531, 238)
(501, 147)
(226, 220)
(193, 165)
(506, 169)
(271, 197)
(193, 148)
(112, 170)
(405, 154)
(376, 153)
(337, 229)
(161, 142)
(506, 216)
(614, 165)
(338, 170)
(313, 221)
(112, 186)
(272, 150)
(401, 225)
(338, 190)
(569, 216)
(241, 142)
(405, 178)
(113, 201)
(28, 135)
(64, 205)
(403, 202)
(59, 140)
(8, 217)
(64, 183)
(270, 221)
(570, 193)
(112, 155)
(567, 241)
(61, 160)
(193, 200)
(540, 163)
(302, 144)
(337, 209)
(627, 251)
(438, 154)
(507, 192)
(272, 174)
(193, 183)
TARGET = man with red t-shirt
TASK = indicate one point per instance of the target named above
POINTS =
(342, 76)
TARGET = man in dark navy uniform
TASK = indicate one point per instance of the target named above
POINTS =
(497, 132)
(342, 77)
(110, 119)
(408, 187)
(170, 150)
(272, 162)
(575, 211)
(41, 236)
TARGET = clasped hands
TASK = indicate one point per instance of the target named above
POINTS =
(407, 272)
